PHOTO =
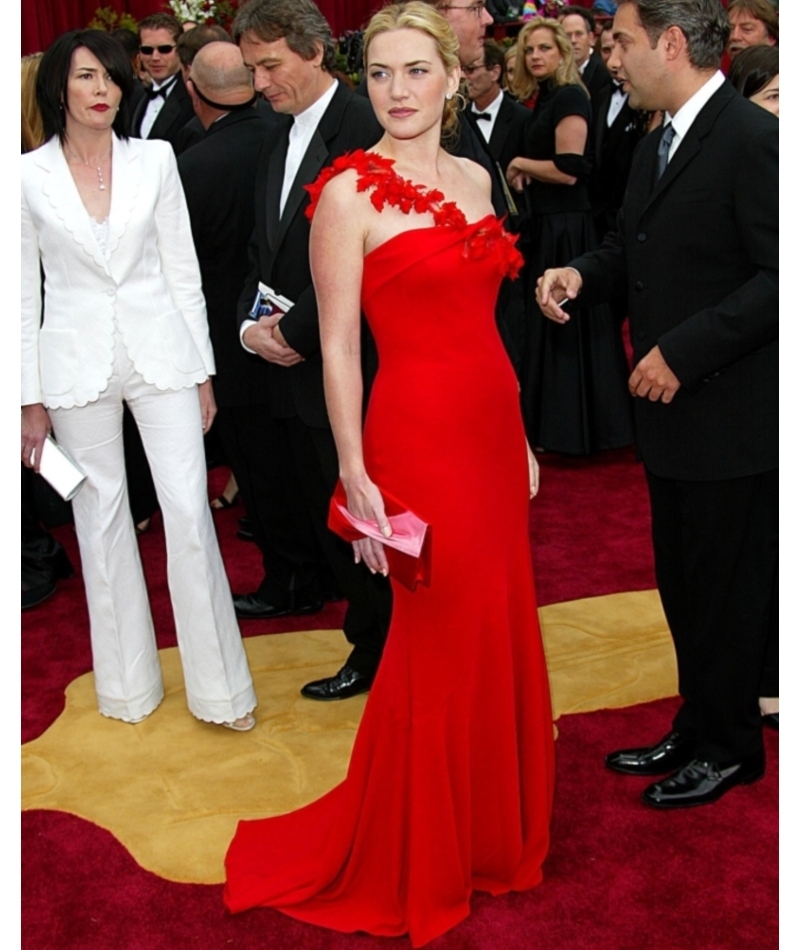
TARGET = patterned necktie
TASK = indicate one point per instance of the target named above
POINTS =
(664, 144)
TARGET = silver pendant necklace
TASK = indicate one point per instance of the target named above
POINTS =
(100, 180)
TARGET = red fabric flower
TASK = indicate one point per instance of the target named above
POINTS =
(493, 239)
(377, 175)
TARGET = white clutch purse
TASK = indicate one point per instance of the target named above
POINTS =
(57, 468)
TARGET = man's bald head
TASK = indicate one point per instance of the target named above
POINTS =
(219, 73)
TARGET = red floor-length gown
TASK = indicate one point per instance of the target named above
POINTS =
(449, 787)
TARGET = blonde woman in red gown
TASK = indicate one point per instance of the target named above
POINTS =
(450, 783)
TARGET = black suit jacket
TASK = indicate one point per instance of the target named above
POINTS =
(612, 151)
(596, 77)
(279, 251)
(698, 256)
(506, 140)
(175, 113)
(219, 175)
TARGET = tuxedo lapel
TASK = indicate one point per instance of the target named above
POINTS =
(275, 173)
(169, 112)
(502, 127)
(313, 161)
(310, 167)
(589, 70)
(600, 127)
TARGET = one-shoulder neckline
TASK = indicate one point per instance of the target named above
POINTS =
(430, 227)
(375, 174)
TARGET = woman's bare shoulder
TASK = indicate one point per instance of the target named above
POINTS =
(476, 174)
(340, 201)
(337, 194)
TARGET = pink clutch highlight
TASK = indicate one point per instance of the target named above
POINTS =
(408, 550)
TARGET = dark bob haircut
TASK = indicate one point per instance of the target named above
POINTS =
(753, 68)
(51, 83)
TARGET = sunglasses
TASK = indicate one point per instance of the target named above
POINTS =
(164, 49)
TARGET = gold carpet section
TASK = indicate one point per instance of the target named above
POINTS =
(171, 789)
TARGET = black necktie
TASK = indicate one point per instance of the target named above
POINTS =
(667, 135)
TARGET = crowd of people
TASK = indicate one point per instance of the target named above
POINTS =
(243, 238)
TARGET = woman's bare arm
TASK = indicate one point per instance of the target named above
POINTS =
(337, 264)
(571, 134)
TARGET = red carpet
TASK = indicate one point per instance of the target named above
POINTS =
(619, 876)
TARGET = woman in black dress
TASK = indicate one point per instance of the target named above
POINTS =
(574, 383)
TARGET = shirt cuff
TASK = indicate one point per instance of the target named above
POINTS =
(242, 327)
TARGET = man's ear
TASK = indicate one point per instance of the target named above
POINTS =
(674, 42)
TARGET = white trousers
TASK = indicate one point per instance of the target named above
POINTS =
(127, 673)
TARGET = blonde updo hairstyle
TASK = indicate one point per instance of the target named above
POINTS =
(566, 74)
(420, 16)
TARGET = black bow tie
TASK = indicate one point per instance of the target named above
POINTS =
(617, 85)
(482, 115)
(155, 93)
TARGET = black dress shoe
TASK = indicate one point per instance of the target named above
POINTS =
(347, 682)
(700, 783)
(770, 720)
(252, 607)
(674, 750)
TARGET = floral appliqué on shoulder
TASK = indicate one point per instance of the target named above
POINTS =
(376, 174)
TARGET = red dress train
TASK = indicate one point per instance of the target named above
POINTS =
(450, 783)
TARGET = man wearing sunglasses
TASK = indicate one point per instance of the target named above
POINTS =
(167, 107)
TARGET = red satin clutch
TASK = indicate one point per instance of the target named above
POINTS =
(408, 550)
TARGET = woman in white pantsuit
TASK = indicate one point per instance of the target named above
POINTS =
(124, 319)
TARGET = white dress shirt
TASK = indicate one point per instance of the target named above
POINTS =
(618, 100)
(156, 104)
(300, 135)
(492, 110)
(688, 112)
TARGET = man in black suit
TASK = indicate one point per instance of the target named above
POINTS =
(469, 21)
(697, 250)
(218, 175)
(167, 107)
(287, 45)
(498, 117)
(579, 25)
(190, 42)
(617, 128)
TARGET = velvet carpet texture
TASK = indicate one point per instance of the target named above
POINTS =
(618, 875)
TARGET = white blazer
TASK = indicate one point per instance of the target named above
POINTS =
(150, 284)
